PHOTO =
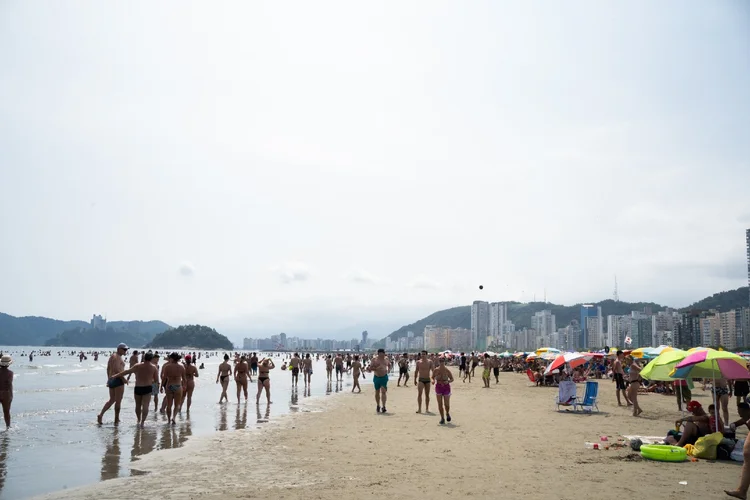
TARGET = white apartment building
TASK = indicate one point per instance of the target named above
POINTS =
(544, 323)
(595, 330)
(498, 318)
(480, 322)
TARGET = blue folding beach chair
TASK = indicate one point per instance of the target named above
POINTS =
(589, 398)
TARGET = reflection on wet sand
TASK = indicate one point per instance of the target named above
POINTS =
(111, 459)
(328, 388)
(3, 459)
(264, 418)
(174, 436)
(223, 425)
(240, 419)
(294, 401)
(144, 441)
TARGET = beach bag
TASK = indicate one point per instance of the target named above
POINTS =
(705, 447)
(737, 454)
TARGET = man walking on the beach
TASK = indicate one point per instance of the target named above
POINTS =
(116, 385)
(294, 364)
(403, 370)
(380, 366)
(155, 387)
(146, 376)
(133, 361)
(423, 379)
(618, 377)
(339, 362)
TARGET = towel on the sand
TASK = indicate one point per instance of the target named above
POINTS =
(647, 439)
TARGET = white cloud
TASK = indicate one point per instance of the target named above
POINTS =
(364, 277)
(292, 272)
(187, 269)
(425, 284)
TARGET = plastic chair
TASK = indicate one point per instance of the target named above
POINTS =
(589, 398)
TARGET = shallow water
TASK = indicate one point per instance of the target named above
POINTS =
(54, 442)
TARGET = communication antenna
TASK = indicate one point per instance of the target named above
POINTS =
(615, 295)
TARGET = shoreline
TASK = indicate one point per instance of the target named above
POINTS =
(504, 441)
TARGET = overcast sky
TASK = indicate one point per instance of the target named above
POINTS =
(310, 166)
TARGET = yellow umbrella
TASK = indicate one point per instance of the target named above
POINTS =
(542, 350)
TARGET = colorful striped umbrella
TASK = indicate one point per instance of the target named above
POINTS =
(709, 363)
(574, 358)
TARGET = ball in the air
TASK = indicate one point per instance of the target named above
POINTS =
(481, 287)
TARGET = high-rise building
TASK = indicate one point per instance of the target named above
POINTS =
(498, 317)
(593, 314)
(480, 323)
(98, 322)
(747, 242)
(618, 328)
(544, 323)
(282, 340)
(364, 339)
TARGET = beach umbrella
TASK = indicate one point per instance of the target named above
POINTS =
(531, 357)
(660, 367)
(574, 358)
(709, 363)
(542, 350)
(506, 354)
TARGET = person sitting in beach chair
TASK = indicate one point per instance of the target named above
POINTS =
(533, 377)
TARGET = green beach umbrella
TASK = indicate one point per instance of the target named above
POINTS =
(661, 366)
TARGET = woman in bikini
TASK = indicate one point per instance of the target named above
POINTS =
(241, 374)
(191, 372)
(721, 391)
(225, 371)
(442, 378)
(174, 373)
(635, 384)
(264, 382)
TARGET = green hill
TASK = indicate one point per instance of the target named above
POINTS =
(723, 301)
(193, 336)
(520, 314)
(90, 337)
(32, 330)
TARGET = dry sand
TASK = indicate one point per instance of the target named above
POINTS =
(505, 442)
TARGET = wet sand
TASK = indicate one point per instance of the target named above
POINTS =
(504, 442)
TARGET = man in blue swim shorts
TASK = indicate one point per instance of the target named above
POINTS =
(380, 366)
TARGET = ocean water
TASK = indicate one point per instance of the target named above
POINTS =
(55, 443)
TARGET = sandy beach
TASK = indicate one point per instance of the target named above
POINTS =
(507, 441)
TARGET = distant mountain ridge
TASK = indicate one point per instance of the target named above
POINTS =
(520, 313)
(35, 330)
